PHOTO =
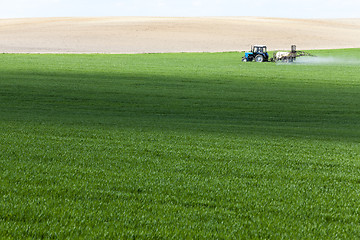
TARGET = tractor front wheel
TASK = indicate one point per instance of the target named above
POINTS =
(244, 60)
(259, 58)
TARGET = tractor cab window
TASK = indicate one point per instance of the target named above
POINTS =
(260, 49)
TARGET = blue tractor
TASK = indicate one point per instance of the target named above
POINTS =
(258, 54)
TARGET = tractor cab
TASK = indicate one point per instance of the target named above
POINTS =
(259, 49)
(258, 54)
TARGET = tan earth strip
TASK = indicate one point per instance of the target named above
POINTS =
(158, 34)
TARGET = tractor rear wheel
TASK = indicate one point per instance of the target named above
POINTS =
(259, 58)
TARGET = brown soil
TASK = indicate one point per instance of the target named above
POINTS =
(152, 34)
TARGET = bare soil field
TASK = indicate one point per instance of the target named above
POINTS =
(161, 34)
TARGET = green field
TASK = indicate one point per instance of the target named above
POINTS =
(179, 146)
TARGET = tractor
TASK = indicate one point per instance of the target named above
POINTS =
(258, 54)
